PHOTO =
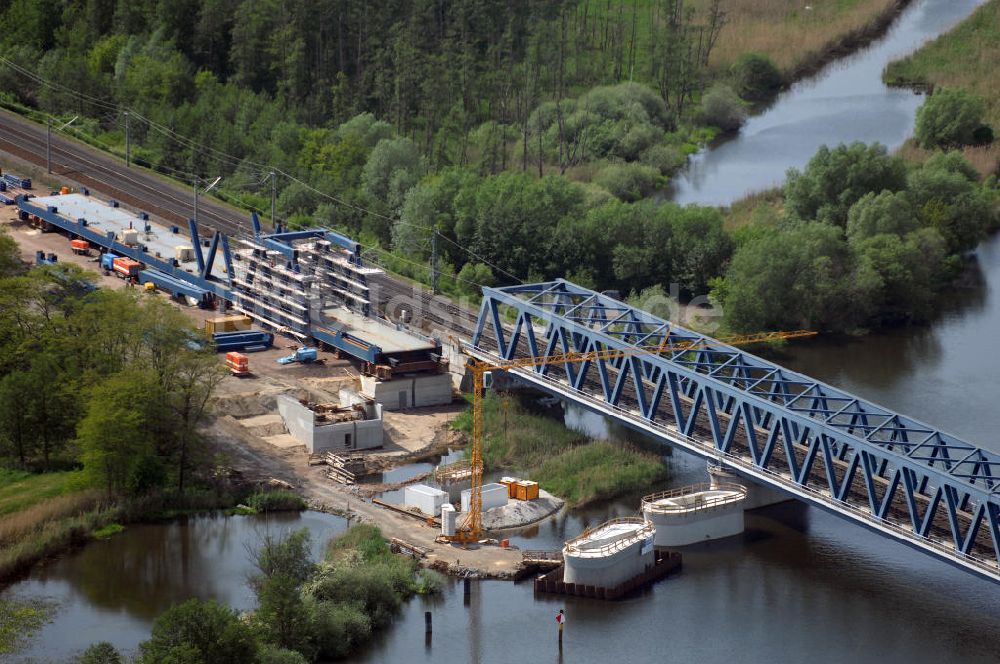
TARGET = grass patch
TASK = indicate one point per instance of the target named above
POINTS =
(563, 462)
(18, 621)
(20, 490)
(599, 470)
(965, 57)
(107, 531)
(276, 501)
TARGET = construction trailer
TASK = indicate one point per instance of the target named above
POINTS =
(310, 285)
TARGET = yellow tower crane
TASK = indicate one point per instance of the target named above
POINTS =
(471, 529)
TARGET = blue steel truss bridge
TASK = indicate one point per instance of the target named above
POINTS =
(882, 470)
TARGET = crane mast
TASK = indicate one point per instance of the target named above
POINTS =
(472, 527)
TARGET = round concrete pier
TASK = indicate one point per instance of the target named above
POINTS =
(610, 554)
(695, 513)
(758, 495)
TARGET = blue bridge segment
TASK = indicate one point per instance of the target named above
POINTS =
(883, 470)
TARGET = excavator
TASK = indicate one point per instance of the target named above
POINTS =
(471, 529)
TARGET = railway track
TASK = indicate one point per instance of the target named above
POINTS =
(172, 202)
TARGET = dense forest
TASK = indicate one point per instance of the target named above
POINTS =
(523, 140)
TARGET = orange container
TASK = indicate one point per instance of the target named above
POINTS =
(79, 246)
(511, 484)
(527, 490)
(64, 191)
(127, 267)
(238, 363)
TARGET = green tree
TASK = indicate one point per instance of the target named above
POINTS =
(473, 276)
(886, 212)
(269, 654)
(283, 565)
(836, 179)
(721, 107)
(755, 77)
(10, 256)
(698, 246)
(947, 197)
(199, 632)
(949, 118)
(900, 276)
(796, 277)
(114, 435)
(100, 653)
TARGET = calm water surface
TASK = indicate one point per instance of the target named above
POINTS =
(112, 590)
(798, 586)
(846, 102)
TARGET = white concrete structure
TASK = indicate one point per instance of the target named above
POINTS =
(695, 513)
(330, 427)
(610, 554)
(494, 495)
(449, 517)
(758, 495)
(405, 392)
(425, 498)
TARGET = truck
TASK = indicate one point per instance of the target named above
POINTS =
(124, 267)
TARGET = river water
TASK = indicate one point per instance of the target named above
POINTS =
(846, 102)
(112, 590)
(799, 585)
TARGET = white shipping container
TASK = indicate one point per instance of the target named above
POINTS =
(494, 495)
(448, 519)
(425, 498)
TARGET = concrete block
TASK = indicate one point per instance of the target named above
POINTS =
(425, 498)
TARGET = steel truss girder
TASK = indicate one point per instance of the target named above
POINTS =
(828, 438)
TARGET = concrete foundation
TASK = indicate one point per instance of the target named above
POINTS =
(425, 498)
(347, 427)
(494, 495)
(758, 495)
(611, 554)
(695, 514)
(406, 392)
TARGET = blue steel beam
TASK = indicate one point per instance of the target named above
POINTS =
(196, 244)
(882, 469)
(79, 228)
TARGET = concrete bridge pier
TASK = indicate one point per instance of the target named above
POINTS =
(758, 495)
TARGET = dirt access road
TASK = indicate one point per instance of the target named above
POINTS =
(259, 461)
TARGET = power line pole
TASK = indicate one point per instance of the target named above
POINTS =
(195, 187)
(48, 144)
(128, 143)
(434, 262)
(274, 195)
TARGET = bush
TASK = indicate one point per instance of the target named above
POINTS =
(663, 158)
(875, 214)
(836, 179)
(949, 118)
(276, 501)
(756, 77)
(429, 582)
(274, 655)
(198, 632)
(339, 628)
(629, 182)
(722, 108)
(100, 653)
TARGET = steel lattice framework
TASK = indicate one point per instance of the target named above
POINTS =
(884, 470)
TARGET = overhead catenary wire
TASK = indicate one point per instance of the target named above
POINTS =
(239, 162)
